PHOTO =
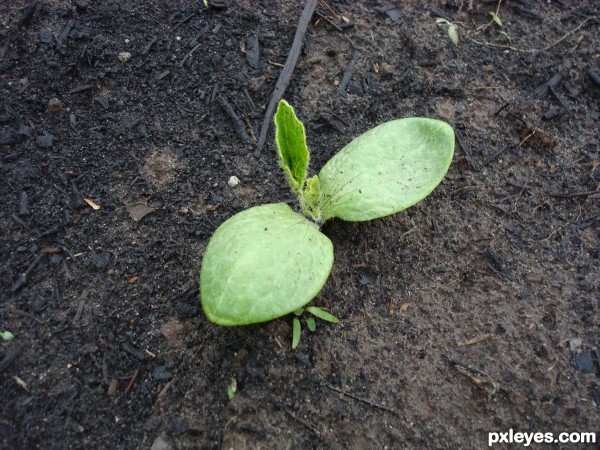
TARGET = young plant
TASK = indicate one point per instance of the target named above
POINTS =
(269, 261)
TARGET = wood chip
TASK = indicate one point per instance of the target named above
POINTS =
(475, 340)
(138, 211)
(92, 203)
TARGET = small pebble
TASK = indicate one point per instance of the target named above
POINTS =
(55, 106)
(233, 181)
(124, 56)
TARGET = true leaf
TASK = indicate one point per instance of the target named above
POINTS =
(387, 169)
(291, 145)
(311, 196)
(263, 263)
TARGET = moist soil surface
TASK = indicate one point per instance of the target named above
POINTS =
(475, 311)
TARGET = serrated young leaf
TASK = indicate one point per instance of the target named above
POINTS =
(296, 330)
(311, 197)
(322, 314)
(263, 263)
(387, 169)
(291, 145)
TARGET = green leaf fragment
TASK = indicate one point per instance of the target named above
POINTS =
(310, 323)
(232, 388)
(387, 169)
(263, 263)
(291, 145)
(7, 336)
(296, 330)
(322, 314)
(495, 18)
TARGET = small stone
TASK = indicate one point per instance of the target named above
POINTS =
(46, 37)
(161, 373)
(584, 362)
(162, 442)
(575, 344)
(394, 14)
(102, 101)
(124, 56)
(101, 259)
(174, 332)
(24, 130)
(45, 141)
(55, 106)
(233, 181)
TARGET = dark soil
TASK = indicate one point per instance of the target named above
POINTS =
(477, 310)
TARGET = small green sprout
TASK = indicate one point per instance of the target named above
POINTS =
(269, 261)
(310, 322)
(206, 4)
(7, 335)
(495, 18)
(232, 388)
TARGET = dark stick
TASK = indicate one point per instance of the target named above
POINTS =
(64, 34)
(347, 76)
(286, 73)
(364, 400)
(572, 194)
(496, 155)
(23, 277)
(10, 357)
(238, 124)
(467, 150)
(593, 75)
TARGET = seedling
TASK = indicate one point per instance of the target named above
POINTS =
(7, 336)
(232, 388)
(452, 29)
(269, 261)
(310, 322)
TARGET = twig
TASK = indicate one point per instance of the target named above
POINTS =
(535, 50)
(238, 124)
(572, 194)
(364, 400)
(10, 357)
(22, 279)
(132, 381)
(189, 54)
(286, 74)
(347, 76)
(303, 422)
(467, 150)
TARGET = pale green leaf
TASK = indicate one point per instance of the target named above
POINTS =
(311, 197)
(322, 314)
(291, 145)
(7, 335)
(296, 330)
(232, 388)
(495, 18)
(310, 323)
(453, 33)
(263, 263)
(387, 169)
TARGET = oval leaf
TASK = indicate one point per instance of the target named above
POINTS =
(387, 169)
(263, 263)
